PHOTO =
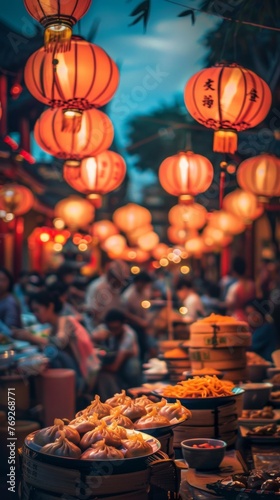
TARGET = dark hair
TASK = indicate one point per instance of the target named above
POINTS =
(114, 315)
(258, 306)
(142, 277)
(9, 276)
(239, 266)
(64, 270)
(45, 298)
(183, 283)
(58, 287)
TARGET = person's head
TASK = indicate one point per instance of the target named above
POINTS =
(59, 288)
(23, 278)
(6, 281)
(66, 273)
(142, 280)
(183, 288)
(35, 282)
(46, 306)
(115, 320)
(256, 313)
(117, 274)
(239, 266)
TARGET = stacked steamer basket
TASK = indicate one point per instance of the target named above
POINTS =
(220, 342)
(177, 361)
(212, 416)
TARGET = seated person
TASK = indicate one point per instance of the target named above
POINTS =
(264, 327)
(122, 368)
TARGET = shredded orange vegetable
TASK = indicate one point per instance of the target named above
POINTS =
(199, 387)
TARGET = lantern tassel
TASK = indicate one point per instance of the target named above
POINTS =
(186, 199)
(95, 200)
(57, 38)
(225, 141)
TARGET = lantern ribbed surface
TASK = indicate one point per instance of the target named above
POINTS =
(48, 11)
(131, 217)
(100, 174)
(186, 174)
(243, 204)
(260, 175)
(94, 135)
(76, 212)
(188, 216)
(81, 78)
(227, 97)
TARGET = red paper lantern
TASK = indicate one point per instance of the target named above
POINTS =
(103, 229)
(97, 175)
(75, 211)
(115, 244)
(16, 199)
(57, 17)
(131, 216)
(82, 78)
(226, 222)
(160, 250)
(195, 246)
(213, 236)
(188, 216)
(260, 175)
(243, 204)
(227, 98)
(186, 175)
(180, 235)
(148, 241)
(95, 134)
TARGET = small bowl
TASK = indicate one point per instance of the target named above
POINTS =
(203, 458)
(256, 395)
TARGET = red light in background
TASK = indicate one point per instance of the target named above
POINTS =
(13, 144)
(16, 90)
(27, 156)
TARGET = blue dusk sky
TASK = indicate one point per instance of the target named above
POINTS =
(154, 65)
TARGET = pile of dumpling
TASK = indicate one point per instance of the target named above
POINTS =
(99, 432)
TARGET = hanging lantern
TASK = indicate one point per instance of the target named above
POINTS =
(213, 236)
(103, 229)
(148, 241)
(95, 134)
(131, 216)
(82, 78)
(133, 236)
(186, 175)
(180, 235)
(16, 199)
(260, 175)
(226, 222)
(243, 204)
(195, 246)
(115, 244)
(97, 175)
(141, 256)
(75, 211)
(227, 98)
(188, 216)
(160, 250)
(57, 18)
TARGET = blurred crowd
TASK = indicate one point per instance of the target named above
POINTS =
(107, 326)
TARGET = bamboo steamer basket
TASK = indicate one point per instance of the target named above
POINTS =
(49, 478)
(220, 340)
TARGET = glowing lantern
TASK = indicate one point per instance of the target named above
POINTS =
(188, 216)
(115, 245)
(179, 235)
(227, 98)
(131, 216)
(95, 134)
(103, 229)
(260, 175)
(97, 175)
(141, 256)
(133, 236)
(213, 236)
(148, 241)
(195, 246)
(75, 211)
(226, 222)
(16, 199)
(161, 250)
(57, 18)
(186, 175)
(82, 78)
(243, 204)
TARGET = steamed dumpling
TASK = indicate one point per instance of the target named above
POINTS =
(117, 416)
(174, 411)
(102, 432)
(132, 410)
(62, 447)
(84, 424)
(100, 451)
(96, 406)
(151, 420)
(118, 399)
(50, 434)
(136, 446)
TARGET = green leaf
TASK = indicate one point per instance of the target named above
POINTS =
(142, 7)
(137, 20)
